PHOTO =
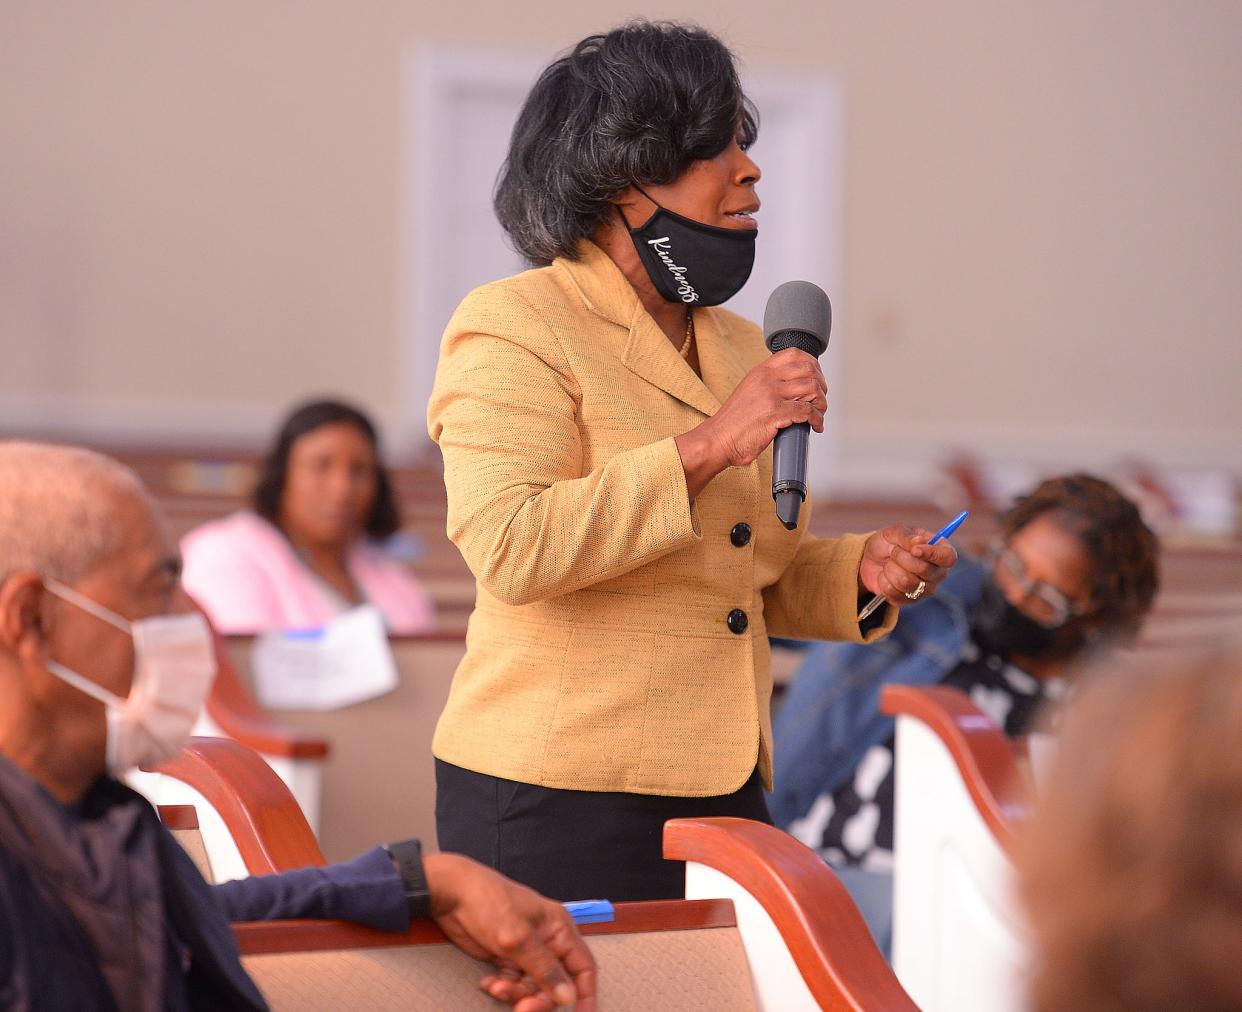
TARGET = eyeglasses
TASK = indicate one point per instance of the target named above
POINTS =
(1043, 602)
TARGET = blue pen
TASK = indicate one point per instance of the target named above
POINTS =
(590, 911)
(944, 532)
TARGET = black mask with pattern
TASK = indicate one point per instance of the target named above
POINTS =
(690, 262)
(999, 627)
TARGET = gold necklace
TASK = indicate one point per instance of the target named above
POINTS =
(685, 345)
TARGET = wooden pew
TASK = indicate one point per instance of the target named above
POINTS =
(963, 788)
(231, 711)
(657, 955)
(182, 822)
(807, 943)
(983, 756)
(197, 485)
(957, 935)
(261, 818)
(680, 954)
(317, 964)
(1189, 618)
(804, 946)
(379, 780)
(1201, 568)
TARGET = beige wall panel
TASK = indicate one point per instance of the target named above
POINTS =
(200, 212)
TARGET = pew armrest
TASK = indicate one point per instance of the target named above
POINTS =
(262, 937)
(258, 811)
(814, 914)
(178, 818)
(984, 756)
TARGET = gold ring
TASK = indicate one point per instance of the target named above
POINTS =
(918, 591)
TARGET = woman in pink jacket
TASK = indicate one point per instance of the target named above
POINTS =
(309, 551)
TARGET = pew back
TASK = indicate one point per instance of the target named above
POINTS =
(182, 822)
(379, 778)
(957, 935)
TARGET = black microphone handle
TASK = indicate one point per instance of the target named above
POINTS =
(789, 451)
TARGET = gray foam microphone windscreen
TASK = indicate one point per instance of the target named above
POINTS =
(798, 315)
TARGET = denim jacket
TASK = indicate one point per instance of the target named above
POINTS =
(830, 715)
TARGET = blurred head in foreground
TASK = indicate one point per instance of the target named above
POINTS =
(1131, 871)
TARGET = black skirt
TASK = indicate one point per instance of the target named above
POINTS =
(575, 845)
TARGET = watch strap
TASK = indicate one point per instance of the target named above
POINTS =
(408, 857)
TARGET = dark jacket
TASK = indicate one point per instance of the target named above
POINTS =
(50, 958)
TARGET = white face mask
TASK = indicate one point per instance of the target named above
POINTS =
(174, 665)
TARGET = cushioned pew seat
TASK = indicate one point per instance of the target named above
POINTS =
(665, 955)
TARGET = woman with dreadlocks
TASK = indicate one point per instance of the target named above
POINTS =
(1075, 571)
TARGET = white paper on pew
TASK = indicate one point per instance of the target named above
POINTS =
(345, 662)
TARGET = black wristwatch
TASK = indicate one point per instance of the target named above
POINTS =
(408, 857)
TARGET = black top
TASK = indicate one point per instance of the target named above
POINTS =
(857, 817)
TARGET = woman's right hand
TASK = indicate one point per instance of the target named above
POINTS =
(789, 387)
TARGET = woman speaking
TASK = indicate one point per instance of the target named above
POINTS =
(606, 437)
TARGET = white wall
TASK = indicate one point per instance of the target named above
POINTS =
(201, 220)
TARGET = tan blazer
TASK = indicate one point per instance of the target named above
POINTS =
(600, 655)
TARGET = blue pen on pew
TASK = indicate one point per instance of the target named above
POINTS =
(590, 911)
(945, 532)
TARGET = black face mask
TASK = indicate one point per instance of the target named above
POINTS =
(690, 262)
(998, 627)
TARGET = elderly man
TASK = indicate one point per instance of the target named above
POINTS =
(104, 666)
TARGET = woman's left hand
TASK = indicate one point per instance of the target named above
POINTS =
(898, 559)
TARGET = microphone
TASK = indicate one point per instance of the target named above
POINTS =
(798, 315)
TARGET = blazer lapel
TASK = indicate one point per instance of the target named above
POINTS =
(649, 354)
(719, 361)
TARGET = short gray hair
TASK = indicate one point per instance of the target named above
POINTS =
(58, 508)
